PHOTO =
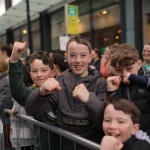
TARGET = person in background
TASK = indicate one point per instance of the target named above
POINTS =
(78, 95)
(60, 63)
(105, 68)
(22, 133)
(121, 127)
(5, 97)
(5, 52)
(96, 57)
(26, 71)
(131, 81)
(42, 68)
(146, 56)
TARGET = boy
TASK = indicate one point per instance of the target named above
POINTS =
(131, 80)
(120, 121)
(42, 68)
(79, 95)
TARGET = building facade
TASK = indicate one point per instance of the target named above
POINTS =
(102, 22)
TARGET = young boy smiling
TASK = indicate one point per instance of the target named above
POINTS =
(42, 68)
(120, 121)
(79, 95)
(131, 81)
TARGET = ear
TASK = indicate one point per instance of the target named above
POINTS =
(135, 128)
(90, 58)
(139, 63)
(53, 72)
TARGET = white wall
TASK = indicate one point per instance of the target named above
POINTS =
(2, 7)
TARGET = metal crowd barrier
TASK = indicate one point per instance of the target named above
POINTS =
(62, 133)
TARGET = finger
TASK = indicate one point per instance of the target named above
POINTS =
(58, 87)
(120, 146)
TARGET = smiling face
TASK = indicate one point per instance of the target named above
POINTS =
(146, 53)
(79, 57)
(40, 72)
(118, 124)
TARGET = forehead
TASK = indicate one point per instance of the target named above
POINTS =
(110, 111)
(76, 47)
(147, 47)
(38, 63)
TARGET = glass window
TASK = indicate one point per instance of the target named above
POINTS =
(57, 28)
(35, 29)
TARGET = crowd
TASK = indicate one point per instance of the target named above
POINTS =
(103, 98)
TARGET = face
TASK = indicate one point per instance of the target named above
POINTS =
(40, 72)
(146, 53)
(93, 54)
(107, 53)
(130, 69)
(78, 56)
(118, 124)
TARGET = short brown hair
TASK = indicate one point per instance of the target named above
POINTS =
(3, 64)
(126, 106)
(44, 57)
(124, 55)
(79, 40)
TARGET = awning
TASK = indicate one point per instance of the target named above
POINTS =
(16, 15)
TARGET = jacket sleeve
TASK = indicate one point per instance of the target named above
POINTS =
(39, 105)
(96, 104)
(5, 96)
(18, 89)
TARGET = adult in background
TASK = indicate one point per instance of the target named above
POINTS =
(146, 56)
(96, 56)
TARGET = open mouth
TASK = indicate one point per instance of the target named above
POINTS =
(114, 134)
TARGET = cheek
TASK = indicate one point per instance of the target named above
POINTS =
(104, 128)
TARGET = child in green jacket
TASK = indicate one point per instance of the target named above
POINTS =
(42, 68)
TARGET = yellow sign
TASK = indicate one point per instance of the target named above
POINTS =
(71, 13)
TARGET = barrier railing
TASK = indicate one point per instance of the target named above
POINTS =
(62, 133)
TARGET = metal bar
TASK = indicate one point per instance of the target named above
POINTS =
(61, 132)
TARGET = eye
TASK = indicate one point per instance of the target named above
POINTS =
(83, 55)
(33, 71)
(44, 70)
(72, 55)
(107, 120)
(120, 122)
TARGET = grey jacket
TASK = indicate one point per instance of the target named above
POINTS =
(5, 95)
(72, 114)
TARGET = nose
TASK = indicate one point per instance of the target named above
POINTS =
(39, 73)
(124, 73)
(78, 59)
(113, 125)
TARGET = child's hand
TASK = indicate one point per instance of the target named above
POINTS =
(126, 78)
(81, 93)
(50, 86)
(113, 83)
(17, 51)
(110, 143)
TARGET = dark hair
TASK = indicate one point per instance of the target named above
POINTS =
(3, 64)
(123, 55)
(79, 40)
(98, 52)
(6, 49)
(44, 56)
(60, 61)
(126, 106)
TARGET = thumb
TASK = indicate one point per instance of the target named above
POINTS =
(25, 43)
(120, 146)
